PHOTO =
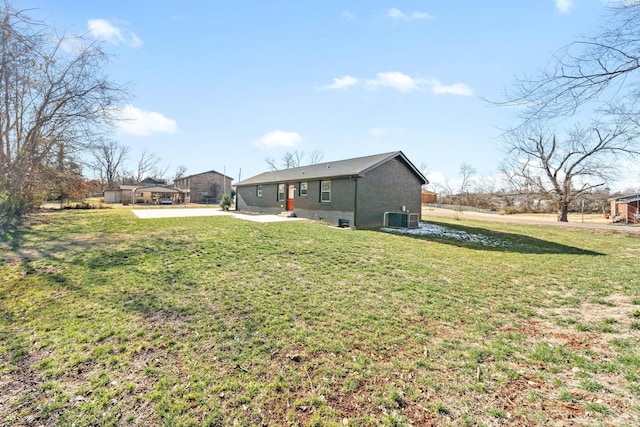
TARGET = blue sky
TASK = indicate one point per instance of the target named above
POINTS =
(224, 85)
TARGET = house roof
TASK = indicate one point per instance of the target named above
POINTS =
(626, 199)
(202, 173)
(357, 167)
(149, 188)
(152, 181)
(630, 200)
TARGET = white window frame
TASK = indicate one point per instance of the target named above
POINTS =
(304, 189)
(259, 191)
(325, 190)
(282, 194)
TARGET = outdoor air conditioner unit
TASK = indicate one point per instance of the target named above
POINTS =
(401, 220)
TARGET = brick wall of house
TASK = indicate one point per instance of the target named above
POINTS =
(206, 187)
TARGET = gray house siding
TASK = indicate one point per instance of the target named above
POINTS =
(362, 190)
(339, 207)
(387, 188)
(247, 199)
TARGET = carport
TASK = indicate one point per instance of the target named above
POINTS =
(150, 195)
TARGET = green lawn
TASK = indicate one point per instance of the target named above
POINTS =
(106, 319)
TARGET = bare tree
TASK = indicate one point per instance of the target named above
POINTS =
(486, 184)
(108, 160)
(297, 156)
(53, 100)
(294, 159)
(424, 169)
(271, 162)
(288, 160)
(466, 174)
(485, 189)
(562, 167)
(597, 76)
(604, 67)
(179, 173)
(315, 157)
(149, 164)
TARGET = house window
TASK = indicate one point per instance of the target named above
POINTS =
(325, 191)
(259, 191)
(280, 192)
(303, 189)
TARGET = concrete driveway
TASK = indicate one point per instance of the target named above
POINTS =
(189, 212)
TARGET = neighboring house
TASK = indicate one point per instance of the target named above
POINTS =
(143, 194)
(153, 181)
(626, 209)
(429, 197)
(206, 187)
(355, 192)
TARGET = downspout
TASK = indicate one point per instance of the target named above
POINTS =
(355, 201)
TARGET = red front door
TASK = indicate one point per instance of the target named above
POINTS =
(292, 193)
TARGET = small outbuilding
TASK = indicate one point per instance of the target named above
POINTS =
(354, 192)
(626, 209)
(429, 197)
(143, 194)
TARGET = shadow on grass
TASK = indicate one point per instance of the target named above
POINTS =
(11, 236)
(488, 240)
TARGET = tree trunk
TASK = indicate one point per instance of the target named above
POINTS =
(563, 212)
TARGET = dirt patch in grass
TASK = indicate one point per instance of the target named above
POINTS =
(20, 387)
(617, 311)
(581, 359)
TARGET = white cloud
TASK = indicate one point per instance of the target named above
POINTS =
(436, 178)
(347, 15)
(278, 138)
(454, 89)
(134, 121)
(626, 181)
(564, 6)
(394, 13)
(343, 82)
(420, 15)
(401, 82)
(397, 14)
(386, 131)
(378, 131)
(105, 30)
(395, 80)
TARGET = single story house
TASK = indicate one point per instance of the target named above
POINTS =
(626, 209)
(354, 192)
(205, 187)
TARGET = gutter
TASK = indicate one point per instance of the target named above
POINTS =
(355, 200)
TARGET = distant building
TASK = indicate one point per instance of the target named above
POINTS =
(626, 209)
(143, 193)
(429, 197)
(206, 187)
